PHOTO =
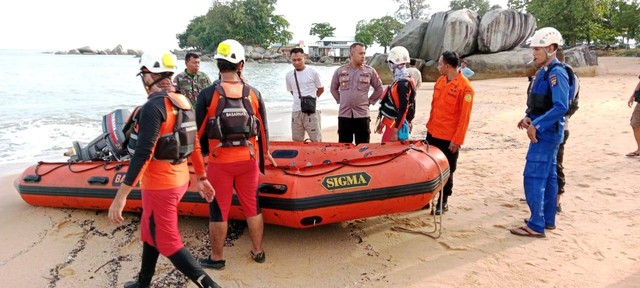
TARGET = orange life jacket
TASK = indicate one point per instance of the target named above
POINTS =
(232, 124)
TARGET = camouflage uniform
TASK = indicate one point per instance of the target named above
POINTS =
(190, 84)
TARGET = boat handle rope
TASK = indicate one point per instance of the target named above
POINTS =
(342, 164)
(69, 165)
(437, 219)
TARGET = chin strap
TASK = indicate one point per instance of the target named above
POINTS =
(148, 87)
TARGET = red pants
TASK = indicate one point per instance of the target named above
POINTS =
(242, 175)
(159, 223)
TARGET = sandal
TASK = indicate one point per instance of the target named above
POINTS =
(213, 264)
(260, 257)
(524, 232)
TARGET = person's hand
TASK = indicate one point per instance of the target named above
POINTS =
(531, 133)
(270, 158)
(631, 100)
(524, 123)
(410, 127)
(115, 210)
(206, 191)
(454, 147)
(379, 127)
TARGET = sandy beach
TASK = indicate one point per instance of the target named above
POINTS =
(596, 243)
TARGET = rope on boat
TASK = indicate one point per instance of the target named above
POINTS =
(342, 164)
(69, 165)
(437, 219)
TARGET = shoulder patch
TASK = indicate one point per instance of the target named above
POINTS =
(468, 97)
(553, 80)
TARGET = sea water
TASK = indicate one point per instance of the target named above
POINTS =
(49, 101)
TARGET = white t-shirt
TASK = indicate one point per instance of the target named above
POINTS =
(309, 81)
(416, 75)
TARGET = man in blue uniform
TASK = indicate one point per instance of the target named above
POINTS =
(547, 103)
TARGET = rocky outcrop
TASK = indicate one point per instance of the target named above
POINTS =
(378, 62)
(580, 56)
(87, 50)
(451, 31)
(493, 46)
(118, 50)
(411, 36)
(511, 63)
(502, 30)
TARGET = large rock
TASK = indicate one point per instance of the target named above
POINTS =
(580, 56)
(502, 30)
(505, 64)
(411, 36)
(451, 31)
(118, 50)
(378, 62)
(87, 50)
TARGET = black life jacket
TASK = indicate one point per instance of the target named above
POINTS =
(234, 122)
(540, 103)
(177, 141)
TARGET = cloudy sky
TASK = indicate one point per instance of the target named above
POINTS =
(146, 24)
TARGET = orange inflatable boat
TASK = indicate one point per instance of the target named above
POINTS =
(314, 183)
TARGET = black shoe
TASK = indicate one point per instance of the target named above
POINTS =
(438, 211)
(260, 257)
(208, 263)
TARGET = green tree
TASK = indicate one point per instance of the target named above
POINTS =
(380, 30)
(480, 6)
(519, 5)
(625, 19)
(322, 30)
(248, 21)
(411, 9)
(364, 33)
(577, 20)
(385, 29)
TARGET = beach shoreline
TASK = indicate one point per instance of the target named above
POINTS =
(595, 243)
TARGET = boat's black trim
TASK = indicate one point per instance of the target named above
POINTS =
(266, 202)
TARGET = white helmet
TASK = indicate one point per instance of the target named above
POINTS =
(398, 55)
(545, 37)
(230, 50)
(158, 62)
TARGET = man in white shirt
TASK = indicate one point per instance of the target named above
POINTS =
(304, 82)
(415, 73)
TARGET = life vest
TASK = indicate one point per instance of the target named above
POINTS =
(177, 134)
(390, 102)
(538, 103)
(231, 118)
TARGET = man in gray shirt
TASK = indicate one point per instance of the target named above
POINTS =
(350, 87)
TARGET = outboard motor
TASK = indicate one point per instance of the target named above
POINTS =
(109, 145)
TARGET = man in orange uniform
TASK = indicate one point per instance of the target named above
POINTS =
(163, 173)
(449, 117)
(232, 118)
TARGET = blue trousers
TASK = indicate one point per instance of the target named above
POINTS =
(541, 184)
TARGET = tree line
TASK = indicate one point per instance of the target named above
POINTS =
(252, 22)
